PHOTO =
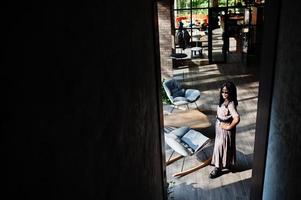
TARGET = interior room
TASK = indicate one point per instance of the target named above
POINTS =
(83, 114)
(223, 45)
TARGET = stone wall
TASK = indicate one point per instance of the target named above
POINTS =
(165, 38)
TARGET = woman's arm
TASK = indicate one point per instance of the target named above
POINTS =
(232, 125)
(234, 114)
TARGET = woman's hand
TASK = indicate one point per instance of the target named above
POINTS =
(229, 126)
(225, 126)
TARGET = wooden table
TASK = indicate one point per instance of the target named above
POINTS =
(191, 118)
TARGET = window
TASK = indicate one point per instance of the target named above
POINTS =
(191, 14)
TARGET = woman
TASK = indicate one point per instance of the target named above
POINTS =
(224, 153)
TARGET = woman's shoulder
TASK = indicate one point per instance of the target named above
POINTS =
(231, 104)
(232, 108)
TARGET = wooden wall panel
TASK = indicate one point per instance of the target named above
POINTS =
(81, 118)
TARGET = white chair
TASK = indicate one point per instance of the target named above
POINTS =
(186, 142)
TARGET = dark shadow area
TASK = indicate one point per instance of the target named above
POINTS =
(193, 77)
(239, 77)
(242, 129)
(237, 190)
(216, 84)
(243, 161)
(186, 63)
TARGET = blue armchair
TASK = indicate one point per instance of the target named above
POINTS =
(178, 95)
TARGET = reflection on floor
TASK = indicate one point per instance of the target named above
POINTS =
(208, 78)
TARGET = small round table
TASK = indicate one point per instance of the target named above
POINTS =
(180, 57)
(194, 50)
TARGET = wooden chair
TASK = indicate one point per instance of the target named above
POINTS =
(186, 142)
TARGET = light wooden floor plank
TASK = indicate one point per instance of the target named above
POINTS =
(198, 185)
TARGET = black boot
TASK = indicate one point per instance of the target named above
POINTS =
(216, 172)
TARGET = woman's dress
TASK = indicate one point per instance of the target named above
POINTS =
(224, 152)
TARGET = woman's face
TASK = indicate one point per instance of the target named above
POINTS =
(225, 93)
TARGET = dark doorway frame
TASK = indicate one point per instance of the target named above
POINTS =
(266, 80)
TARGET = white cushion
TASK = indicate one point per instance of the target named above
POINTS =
(173, 140)
(177, 146)
(185, 140)
(192, 95)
